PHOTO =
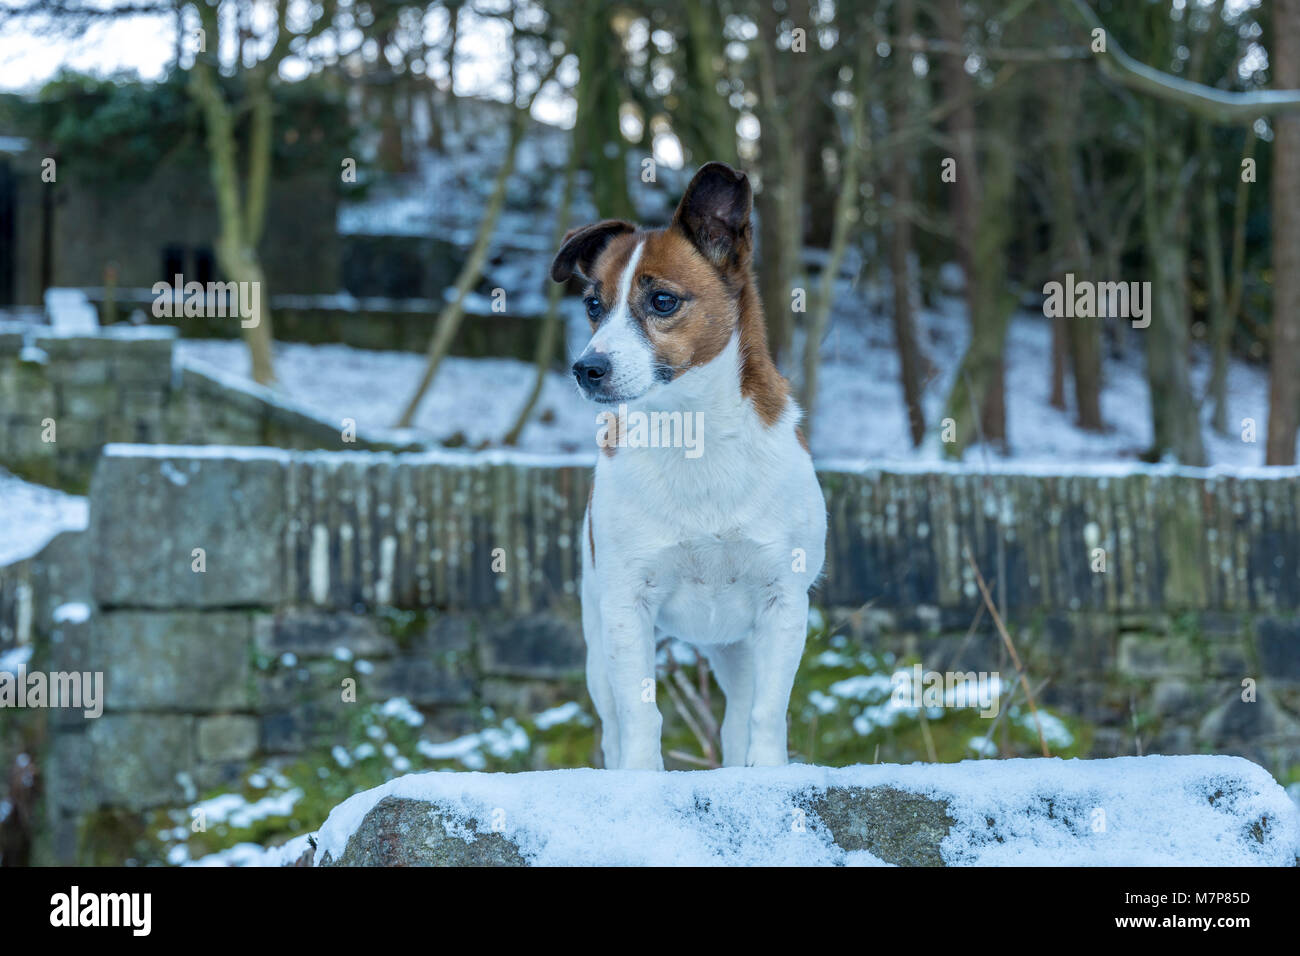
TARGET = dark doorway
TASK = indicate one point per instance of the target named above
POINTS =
(8, 236)
(173, 263)
(205, 266)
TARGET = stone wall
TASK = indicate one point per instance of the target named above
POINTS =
(314, 564)
(63, 397)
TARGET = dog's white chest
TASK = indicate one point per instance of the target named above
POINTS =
(712, 587)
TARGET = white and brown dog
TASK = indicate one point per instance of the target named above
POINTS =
(719, 548)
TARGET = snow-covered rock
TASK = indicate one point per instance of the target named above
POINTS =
(1127, 811)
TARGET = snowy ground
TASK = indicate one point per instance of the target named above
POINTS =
(860, 412)
(30, 515)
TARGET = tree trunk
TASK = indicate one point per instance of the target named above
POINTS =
(383, 88)
(1222, 336)
(957, 88)
(1175, 422)
(1082, 336)
(240, 222)
(981, 223)
(710, 129)
(599, 101)
(780, 202)
(977, 401)
(1284, 345)
(1217, 306)
(846, 213)
(1060, 354)
(900, 240)
(453, 31)
(449, 318)
(553, 325)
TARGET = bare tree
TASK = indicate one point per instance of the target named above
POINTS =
(1284, 350)
(910, 362)
(242, 213)
(449, 319)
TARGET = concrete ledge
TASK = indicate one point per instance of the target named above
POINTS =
(1126, 811)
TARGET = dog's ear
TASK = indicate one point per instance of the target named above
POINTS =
(714, 215)
(581, 246)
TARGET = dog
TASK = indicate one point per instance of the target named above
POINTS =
(718, 550)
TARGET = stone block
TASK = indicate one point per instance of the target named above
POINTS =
(535, 646)
(310, 633)
(1279, 647)
(151, 510)
(227, 737)
(138, 760)
(174, 660)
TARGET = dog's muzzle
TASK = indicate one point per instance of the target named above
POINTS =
(592, 372)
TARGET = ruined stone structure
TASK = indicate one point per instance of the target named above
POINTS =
(63, 396)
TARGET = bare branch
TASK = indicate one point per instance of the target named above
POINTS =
(1217, 106)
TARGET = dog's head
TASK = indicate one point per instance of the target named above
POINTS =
(665, 301)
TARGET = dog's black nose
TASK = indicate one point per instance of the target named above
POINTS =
(590, 370)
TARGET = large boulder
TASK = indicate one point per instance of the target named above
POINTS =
(1193, 810)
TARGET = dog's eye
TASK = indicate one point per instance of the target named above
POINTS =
(664, 303)
(593, 307)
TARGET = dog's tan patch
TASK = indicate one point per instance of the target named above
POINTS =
(760, 381)
(704, 322)
(608, 270)
(714, 306)
(591, 535)
(612, 431)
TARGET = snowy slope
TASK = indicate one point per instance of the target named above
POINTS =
(30, 515)
(860, 412)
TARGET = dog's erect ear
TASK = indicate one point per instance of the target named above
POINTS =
(714, 215)
(581, 247)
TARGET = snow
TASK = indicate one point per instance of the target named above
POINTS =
(477, 398)
(860, 419)
(74, 612)
(70, 311)
(31, 514)
(1125, 811)
(234, 809)
(250, 854)
(15, 659)
(570, 712)
(501, 742)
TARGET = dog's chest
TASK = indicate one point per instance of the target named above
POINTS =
(709, 589)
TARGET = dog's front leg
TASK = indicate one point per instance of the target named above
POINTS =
(630, 662)
(779, 636)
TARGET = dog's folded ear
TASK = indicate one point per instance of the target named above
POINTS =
(581, 246)
(714, 215)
